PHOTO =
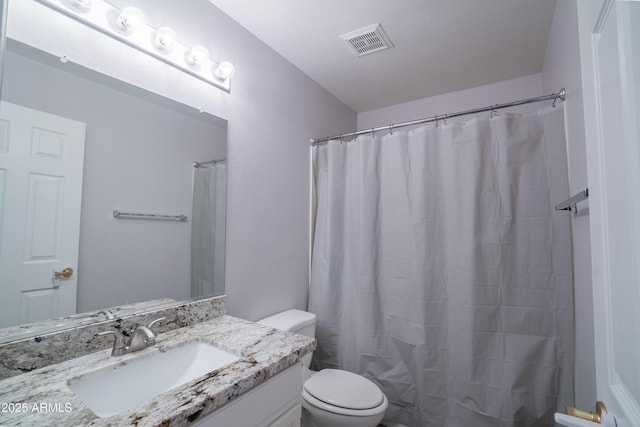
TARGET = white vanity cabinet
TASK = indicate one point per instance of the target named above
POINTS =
(275, 403)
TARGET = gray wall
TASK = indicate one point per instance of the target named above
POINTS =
(562, 69)
(274, 109)
(497, 93)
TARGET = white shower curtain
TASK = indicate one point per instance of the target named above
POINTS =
(208, 230)
(441, 271)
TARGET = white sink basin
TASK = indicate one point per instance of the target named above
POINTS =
(113, 390)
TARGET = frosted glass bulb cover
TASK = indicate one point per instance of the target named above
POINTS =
(197, 56)
(129, 19)
(165, 39)
(224, 71)
(80, 5)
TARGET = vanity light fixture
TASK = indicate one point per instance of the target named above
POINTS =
(81, 5)
(129, 19)
(224, 71)
(197, 56)
(165, 39)
(127, 26)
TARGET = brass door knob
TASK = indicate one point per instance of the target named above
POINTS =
(595, 417)
(64, 274)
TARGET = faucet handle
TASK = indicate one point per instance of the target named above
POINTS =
(155, 321)
(143, 337)
(106, 313)
(119, 344)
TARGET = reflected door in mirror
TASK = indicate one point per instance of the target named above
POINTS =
(41, 166)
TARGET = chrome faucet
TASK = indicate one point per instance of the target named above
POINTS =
(141, 338)
(108, 314)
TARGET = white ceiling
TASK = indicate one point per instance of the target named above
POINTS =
(440, 45)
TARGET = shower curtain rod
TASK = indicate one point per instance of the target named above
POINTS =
(210, 162)
(562, 95)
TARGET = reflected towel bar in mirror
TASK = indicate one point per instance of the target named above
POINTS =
(136, 215)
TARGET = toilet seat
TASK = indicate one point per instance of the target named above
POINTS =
(344, 393)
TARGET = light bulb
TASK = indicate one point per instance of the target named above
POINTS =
(165, 39)
(129, 19)
(197, 56)
(80, 5)
(224, 71)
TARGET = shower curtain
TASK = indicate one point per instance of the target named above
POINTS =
(208, 229)
(441, 271)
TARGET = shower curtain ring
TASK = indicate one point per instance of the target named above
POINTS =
(444, 122)
(436, 120)
(391, 129)
(554, 103)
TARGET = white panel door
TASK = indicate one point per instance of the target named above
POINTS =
(41, 165)
(610, 49)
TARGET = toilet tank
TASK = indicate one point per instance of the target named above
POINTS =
(296, 321)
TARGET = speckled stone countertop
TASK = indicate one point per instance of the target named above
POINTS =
(46, 399)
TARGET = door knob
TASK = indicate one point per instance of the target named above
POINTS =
(64, 274)
(595, 417)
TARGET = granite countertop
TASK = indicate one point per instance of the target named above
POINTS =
(43, 397)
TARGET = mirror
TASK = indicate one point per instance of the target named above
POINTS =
(139, 155)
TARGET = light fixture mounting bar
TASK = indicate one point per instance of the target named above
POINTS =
(98, 17)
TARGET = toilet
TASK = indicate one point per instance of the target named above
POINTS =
(331, 397)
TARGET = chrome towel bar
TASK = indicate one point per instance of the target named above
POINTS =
(135, 215)
(570, 203)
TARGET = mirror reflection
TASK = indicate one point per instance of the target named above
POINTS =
(121, 148)
(208, 227)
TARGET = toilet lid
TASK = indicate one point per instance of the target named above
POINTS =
(344, 389)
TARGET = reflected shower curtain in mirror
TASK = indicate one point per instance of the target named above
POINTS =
(208, 230)
(441, 271)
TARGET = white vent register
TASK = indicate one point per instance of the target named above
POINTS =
(368, 40)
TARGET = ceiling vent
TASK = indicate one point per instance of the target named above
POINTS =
(368, 40)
